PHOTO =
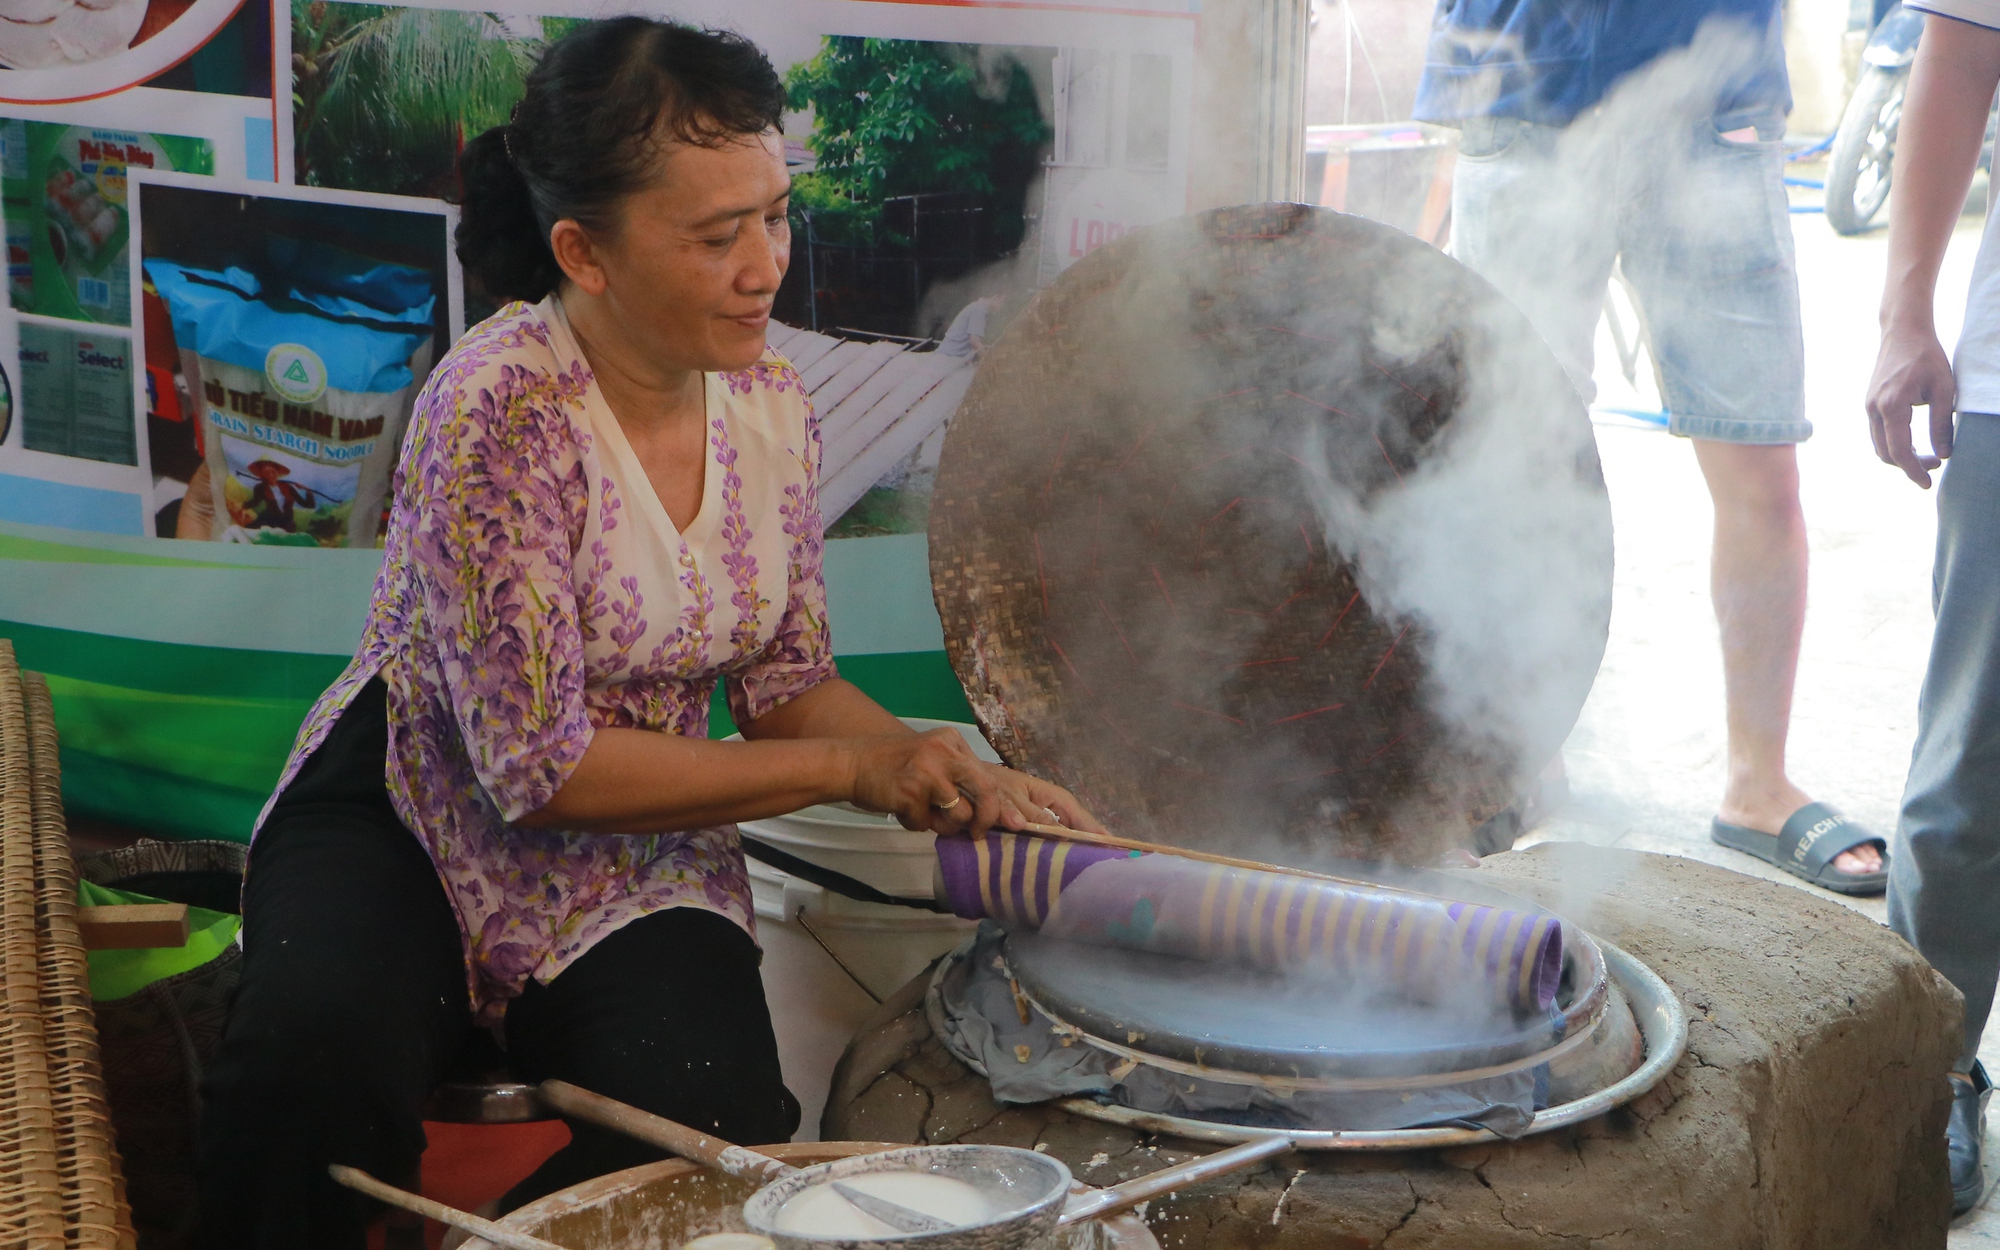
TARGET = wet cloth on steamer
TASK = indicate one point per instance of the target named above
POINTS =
(974, 1009)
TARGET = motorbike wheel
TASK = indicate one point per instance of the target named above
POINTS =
(1857, 170)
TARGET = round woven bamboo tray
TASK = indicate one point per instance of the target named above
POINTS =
(1136, 541)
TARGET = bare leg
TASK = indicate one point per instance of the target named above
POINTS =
(1758, 582)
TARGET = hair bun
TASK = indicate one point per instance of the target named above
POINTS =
(499, 240)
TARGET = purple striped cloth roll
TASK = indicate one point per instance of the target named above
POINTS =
(1426, 947)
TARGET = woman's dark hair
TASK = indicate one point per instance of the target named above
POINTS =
(586, 134)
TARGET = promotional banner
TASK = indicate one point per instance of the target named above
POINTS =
(229, 272)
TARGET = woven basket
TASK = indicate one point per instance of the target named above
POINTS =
(31, 1195)
(157, 1043)
(60, 1183)
(94, 1213)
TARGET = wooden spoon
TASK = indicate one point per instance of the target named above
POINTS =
(689, 1143)
(672, 1137)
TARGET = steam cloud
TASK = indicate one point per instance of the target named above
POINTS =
(1128, 481)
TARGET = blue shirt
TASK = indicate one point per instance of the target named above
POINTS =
(1546, 61)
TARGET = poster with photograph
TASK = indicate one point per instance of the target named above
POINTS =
(63, 191)
(57, 51)
(93, 92)
(937, 183)
(229, 272)
(286, 333)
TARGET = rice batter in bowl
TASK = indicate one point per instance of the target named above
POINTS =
(995, 1197)
(822, 1212)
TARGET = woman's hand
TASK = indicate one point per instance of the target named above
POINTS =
(932, 781)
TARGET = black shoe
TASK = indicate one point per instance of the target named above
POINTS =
(1965, 1138)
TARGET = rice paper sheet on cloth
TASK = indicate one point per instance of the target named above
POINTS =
(1421, 948)
(974, 1008)
(303, 390)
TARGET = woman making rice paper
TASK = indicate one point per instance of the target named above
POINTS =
(506, 813)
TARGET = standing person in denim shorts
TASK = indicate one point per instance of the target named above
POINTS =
(1648, 135)
(1944, 895)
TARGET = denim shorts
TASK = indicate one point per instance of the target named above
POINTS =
(1701, 228)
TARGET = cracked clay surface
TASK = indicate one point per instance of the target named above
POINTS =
(1808, 1113)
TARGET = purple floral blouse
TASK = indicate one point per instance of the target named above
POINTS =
(534, 589)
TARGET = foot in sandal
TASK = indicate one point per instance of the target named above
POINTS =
(1808, 839)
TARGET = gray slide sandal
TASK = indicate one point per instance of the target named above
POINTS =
(1806, 848)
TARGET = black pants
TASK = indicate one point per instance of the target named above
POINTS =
(353, 1004)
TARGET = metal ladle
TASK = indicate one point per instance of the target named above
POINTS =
(780, 1180)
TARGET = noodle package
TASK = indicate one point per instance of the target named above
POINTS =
(68, 222)
(1163, 903)
(303, 390)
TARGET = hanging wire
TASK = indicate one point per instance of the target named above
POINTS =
(852, 975)
(1368, 58)
(1347, 62)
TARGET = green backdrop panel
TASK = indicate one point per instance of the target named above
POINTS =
(236, 743)
(186, 741)
(158, 803)
(171, 667)
(908, 683)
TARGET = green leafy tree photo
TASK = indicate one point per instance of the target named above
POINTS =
(384, 97)
(896, 117)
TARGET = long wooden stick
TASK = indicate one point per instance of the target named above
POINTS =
(498, 1234)
(1063, 833)
(1103, 1202)
(672, 1137)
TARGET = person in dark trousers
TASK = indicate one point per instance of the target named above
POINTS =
(1649, 136)
(507, 812)
(1944, 888)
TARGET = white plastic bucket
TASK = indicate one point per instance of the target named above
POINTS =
(817, 1006)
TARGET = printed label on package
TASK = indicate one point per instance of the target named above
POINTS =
(64, 196)
(76, 394)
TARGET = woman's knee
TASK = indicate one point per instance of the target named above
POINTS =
(323, 1030)
(299, 1050)
(617, 1021)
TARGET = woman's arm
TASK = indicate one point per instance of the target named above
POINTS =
(810, 737)
(833, 708)
(1937, 146)
(799, 753)
(831, 743)
(930, 763)
(642, 781)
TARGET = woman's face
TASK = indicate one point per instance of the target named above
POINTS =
(697, 256)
